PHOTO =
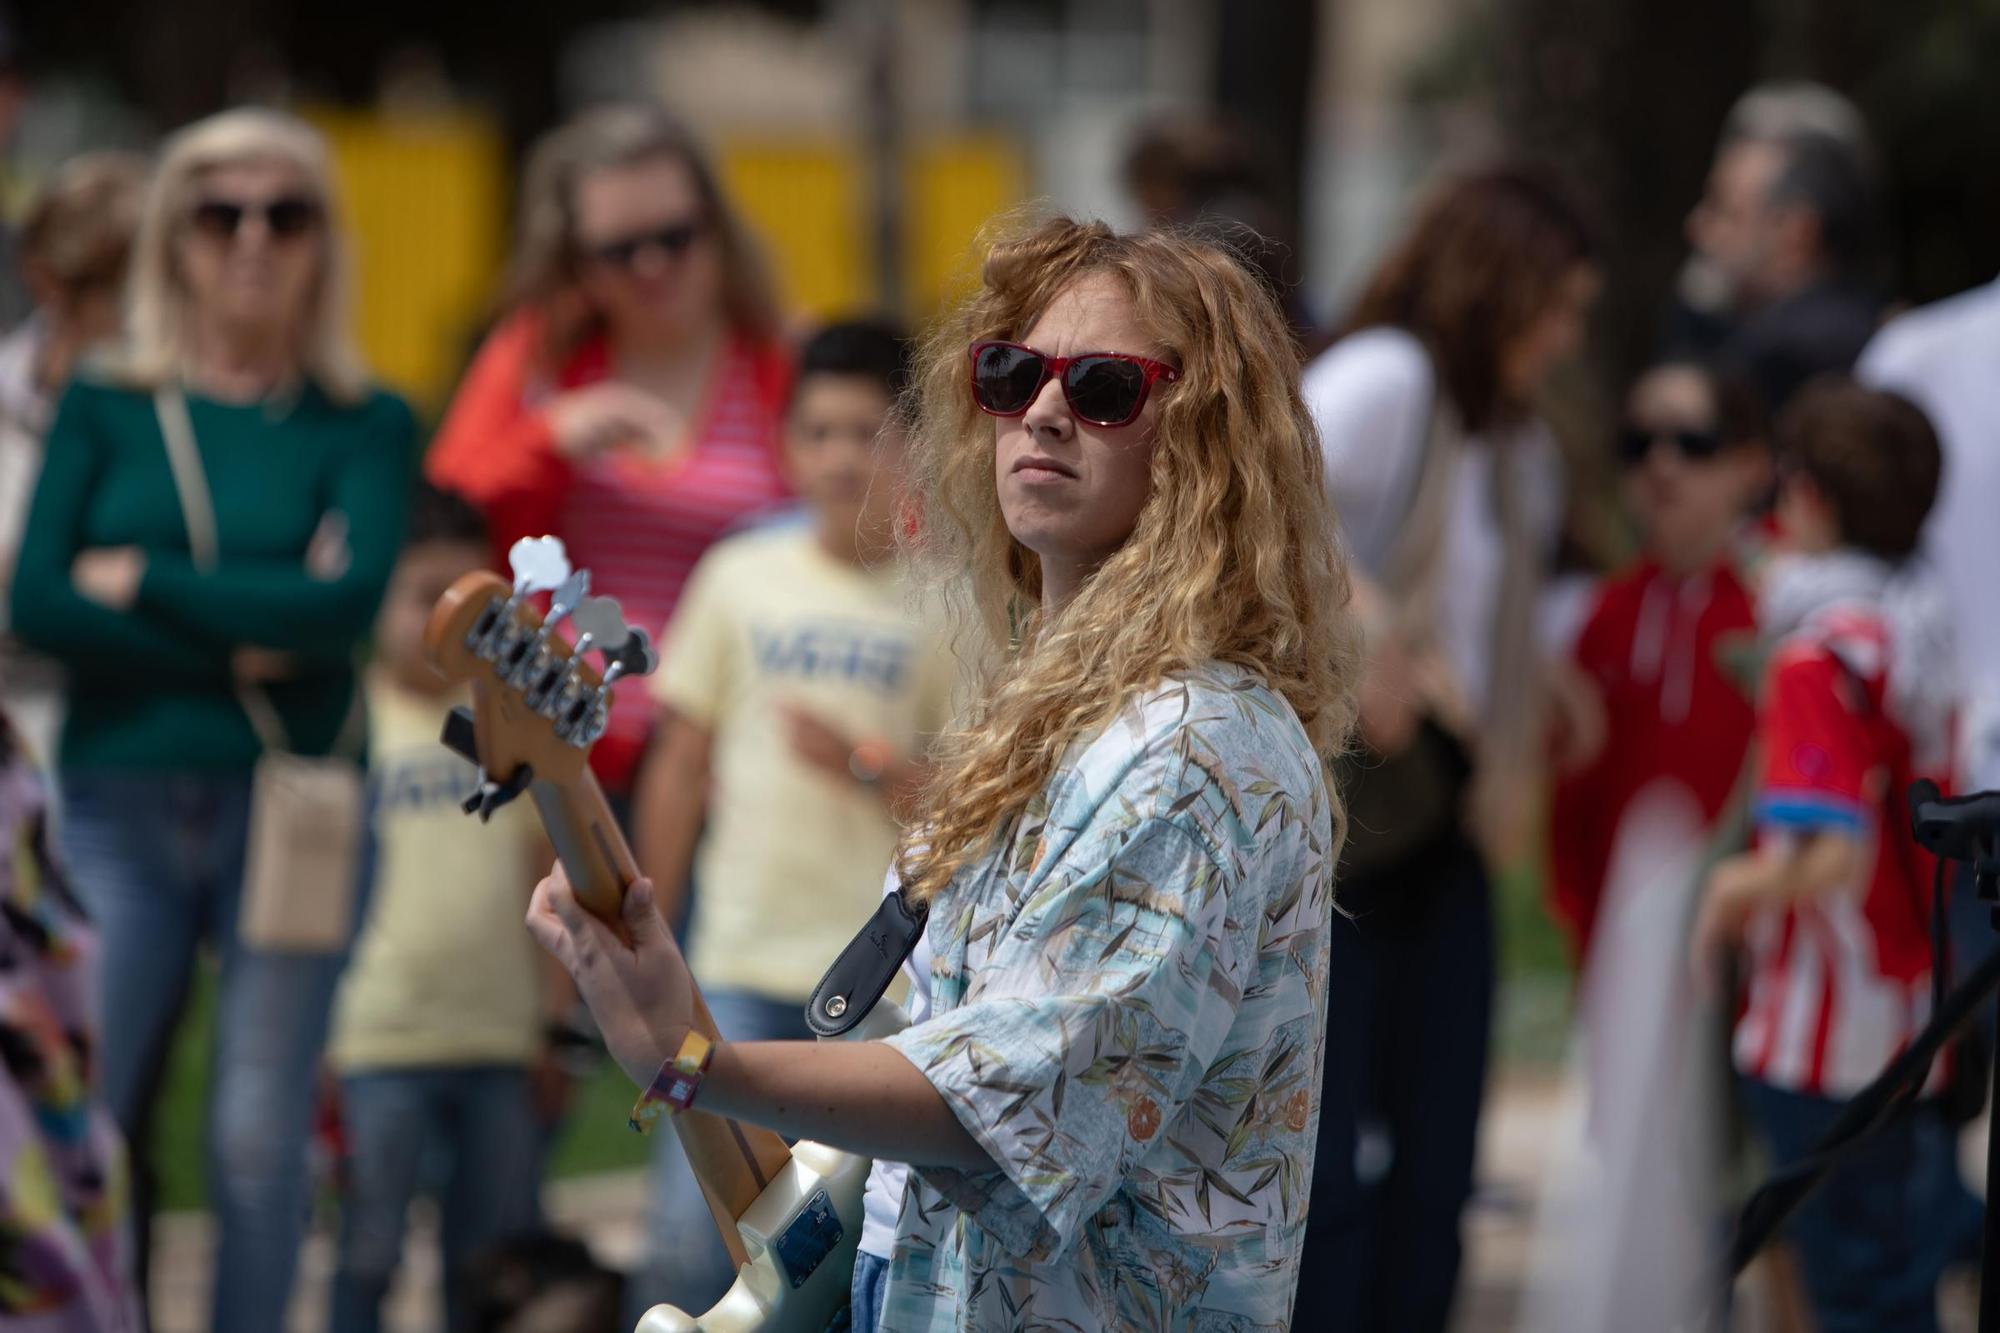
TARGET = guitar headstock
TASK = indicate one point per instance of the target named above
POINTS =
(539, 702)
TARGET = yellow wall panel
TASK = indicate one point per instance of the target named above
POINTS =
(952, 187)
(809, 202)
(425, 199)
(806, 199)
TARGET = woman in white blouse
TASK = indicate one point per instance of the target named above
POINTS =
(1449, 491)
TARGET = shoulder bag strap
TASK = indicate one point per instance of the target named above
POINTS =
(190, 481)
(1413, 568)
(198, 512)
(1414, 571)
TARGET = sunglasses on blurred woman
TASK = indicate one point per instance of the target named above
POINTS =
(1636, 443)
(286, 218)
(673, 241)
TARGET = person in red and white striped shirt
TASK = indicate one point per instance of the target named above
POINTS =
(1832, 905)
(631, 403)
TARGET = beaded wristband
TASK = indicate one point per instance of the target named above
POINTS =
(675, 1085)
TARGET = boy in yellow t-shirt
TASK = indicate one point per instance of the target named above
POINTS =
(799, 689)
(439, 1033)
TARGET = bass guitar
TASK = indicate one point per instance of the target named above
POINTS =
(790, 1216)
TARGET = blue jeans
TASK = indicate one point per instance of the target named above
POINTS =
(1865, 1238)
(157, 859)
(481, 1122)
(870, 1292)
(685, 1264)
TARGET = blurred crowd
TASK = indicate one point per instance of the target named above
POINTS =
(223, 540)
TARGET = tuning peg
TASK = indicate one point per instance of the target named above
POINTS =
(491, 795)
(568, 597)
(635, 657)
(523, 661)
(601, 622)
(540, 564)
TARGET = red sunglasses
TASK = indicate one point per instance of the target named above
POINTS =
(1102, 388)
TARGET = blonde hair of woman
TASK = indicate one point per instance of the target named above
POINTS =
(545, 262)
(157, 300)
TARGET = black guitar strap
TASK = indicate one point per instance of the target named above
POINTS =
(864, 969)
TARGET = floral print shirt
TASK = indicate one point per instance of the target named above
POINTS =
(1129, 1017)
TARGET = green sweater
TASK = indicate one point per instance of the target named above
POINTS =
(150, 688)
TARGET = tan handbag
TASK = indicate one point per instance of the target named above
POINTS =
(303, 857)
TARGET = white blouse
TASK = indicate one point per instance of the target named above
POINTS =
(1371, 395)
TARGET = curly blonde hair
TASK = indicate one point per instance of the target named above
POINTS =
(1233, 557)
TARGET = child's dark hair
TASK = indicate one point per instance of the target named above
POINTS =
(442, 516)
(874, 349)
(1872, 454)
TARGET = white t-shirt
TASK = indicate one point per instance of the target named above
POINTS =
(884, 1198)
(447, 889)
(1946, 359)
(769, 618)
(1371, 395)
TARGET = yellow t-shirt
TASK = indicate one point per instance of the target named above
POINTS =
(792, 858)
(444, 972)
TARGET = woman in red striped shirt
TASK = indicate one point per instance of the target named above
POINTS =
(630, 402)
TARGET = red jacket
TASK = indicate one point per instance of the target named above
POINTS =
(639, 525)
(1650, 646)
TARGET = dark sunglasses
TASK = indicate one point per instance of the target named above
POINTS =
(673, 240)
(1102, 388)
(1696, 446)
(286, 218)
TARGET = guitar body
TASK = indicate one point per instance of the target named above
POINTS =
(813, 1209)
(801, 1235)
(790, 1216)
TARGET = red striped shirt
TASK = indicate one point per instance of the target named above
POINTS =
(1839, 983)
(637, 524)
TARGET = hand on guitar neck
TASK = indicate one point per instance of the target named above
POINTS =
(538, 703)
(789, 1217)
(653, 1010)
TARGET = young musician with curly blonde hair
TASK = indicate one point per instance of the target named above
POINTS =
(1128, 846)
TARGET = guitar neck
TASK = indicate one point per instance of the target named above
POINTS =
(479, 621)
(733, 1161)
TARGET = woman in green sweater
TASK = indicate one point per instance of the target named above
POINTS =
(236, 312)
